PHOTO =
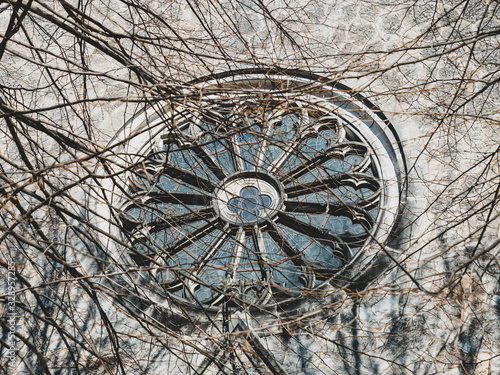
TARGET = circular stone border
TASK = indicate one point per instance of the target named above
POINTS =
(230, 189)
(367, 122)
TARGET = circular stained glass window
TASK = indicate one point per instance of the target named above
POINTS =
(257, 188)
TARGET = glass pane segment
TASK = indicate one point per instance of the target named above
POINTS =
(248, 268)
(284, 273)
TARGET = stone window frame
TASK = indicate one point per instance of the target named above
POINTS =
(369, 124)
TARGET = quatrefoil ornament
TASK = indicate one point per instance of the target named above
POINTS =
(249, 203)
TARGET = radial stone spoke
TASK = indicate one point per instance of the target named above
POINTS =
(332, 208)
(339, 151)
(356, 211)
(192, 237)
(262, 253)
(261, 151)
(294, 255)
(236, 154)
(238, 250)
(319, 234)
(189, 178)
(167, 221)
(213, 248)
(289, 149)
(354, 180)
(179, 220)
(176, 198)
(209, 161)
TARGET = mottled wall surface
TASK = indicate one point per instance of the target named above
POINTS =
(73, 73)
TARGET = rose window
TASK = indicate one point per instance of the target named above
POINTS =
(249, 204)
(260, 190)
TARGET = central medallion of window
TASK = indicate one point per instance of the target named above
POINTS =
(254, 193)
(247, 198)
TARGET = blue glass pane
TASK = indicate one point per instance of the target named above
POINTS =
(150, 213)
(329, 134)
(265, 200)
(280, 137)
(248, 267)
(180, 294)
(287, 129)
(166, 276)
(248, 215)
(183, 187)
(182, 260)
(181, 158)
(338, 224)
(163, 183)
(220, 150)
(321, 255)
(175, 209)
(374, 212)
(273, 151)
(343, 225)
(311, 176)
(312, 219)
(204, 244)
(223, 256)
(144, 248)
(319, 197)
(336, 166)
(356, 229)
(166, 183)
(203, 293)
(348, 194)
(312, 146)
(318, 254)
(249, 203)
(188, 160)
(249, 135)
(133, 214)
(297, 240)
(284, 272)
(212, 275)
(249, 144)
(353, 160)
(290, 163)
(249, 192)
(233, 204)
(169, 236)
(287, 275)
